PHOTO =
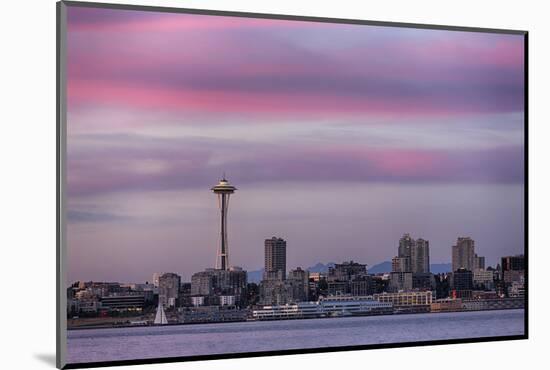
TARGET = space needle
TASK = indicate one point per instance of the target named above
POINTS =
(224, 189)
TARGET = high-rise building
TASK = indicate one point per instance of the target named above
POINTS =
(299, 282)
(463, 254)
(400, 281)
(349, 278)
(462, 283)
(214, 283)
(275, 292)
(223, 190)
(405, 245)
(412, 256)
(401, 264)
(347, 271)
(479, 262)
(203, 283)
(156, 277)
(513, 274)
(274, 288)
(484, 279)
(420, 256)
(275, 258)
(423, 281)
(169, 288)
(411, 266)
(513, 263)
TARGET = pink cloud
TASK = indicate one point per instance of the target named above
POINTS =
(214, 102)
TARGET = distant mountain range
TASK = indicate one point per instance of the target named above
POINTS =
(440, 268)
(435, 268)
(382, 267)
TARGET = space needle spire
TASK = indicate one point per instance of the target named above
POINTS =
(223, 189)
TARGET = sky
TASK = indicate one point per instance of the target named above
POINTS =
(339, 138)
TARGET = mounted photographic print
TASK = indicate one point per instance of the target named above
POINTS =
(236, 184)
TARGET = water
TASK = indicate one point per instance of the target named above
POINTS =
(205, 339)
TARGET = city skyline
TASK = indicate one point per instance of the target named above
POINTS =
(284, 266)
(361, 134)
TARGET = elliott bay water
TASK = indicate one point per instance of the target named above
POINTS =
(92, 345)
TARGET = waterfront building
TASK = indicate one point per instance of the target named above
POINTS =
(185, 294)
(513, 275)
(148, 291)
(446, 305)
(85, 294)
(442, 285)
(347, 271)
(103, 288)
(133, 302)
(361, 286)
(483, 279)
(463, 254)
(169, 288)
(492, 304)
(275, 259)
(231, 282)
(423, 281)
(416, 300)
(400, 281)
(203, 282)
(208, 314)
(89, 305)
(379, 283)
(278, 292)
(71, 291)
(73, 307)
(227, 300)
(517, 288)
(299, 281)
(197, 301)
(337, 288)
(510, 276)
(214, 283)
(349, 278)
(223, 190)
(485, 294)
(275, 292)
(496, 271)
(462, 283)
(462, 279)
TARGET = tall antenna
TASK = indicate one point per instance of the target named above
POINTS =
(223, 190)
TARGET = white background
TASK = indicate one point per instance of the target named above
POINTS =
(27, 170)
